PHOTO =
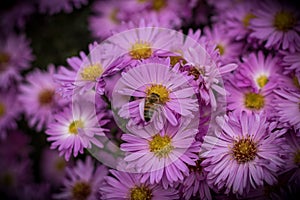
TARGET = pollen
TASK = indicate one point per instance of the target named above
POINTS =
(160, 146)
(140, 193)
(161, 91)
(254, 101)
(4, 59)
(247, 18)
(140, 50)
(157, 5)
(244, 150)
(262, 81)
(296, 81)
(91, 73)
(81, 190)
(221, 49)
(73, 128)
(297, 157)
(46, 97)
(284, 21)
(2, 109)
(60, 164)
(113, 16)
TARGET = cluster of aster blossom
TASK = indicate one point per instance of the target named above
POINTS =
(157, 107)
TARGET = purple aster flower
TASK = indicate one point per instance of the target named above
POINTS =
(82, 181)
(195, 184)
(56, 6)
(276, 23)
(286, 106)
(76, 128)
(162, 155)
(128, 186)
(15, 56)
(83, 73)
(258, 71)
(53, 166)
(237, 19)
(247, 99)
(39, 98)
(157, 94)
(9, 111)
(141, 42)
(243, 154)
(228, 49)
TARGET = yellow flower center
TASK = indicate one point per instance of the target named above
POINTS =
(73, 128)
(244, 150)
(140, 193)
(91, 73)
(297, 158)
(161, 91)
(140, 50)
(262, 81)
(254, 101)
(221, 49)
(247, 18)
(60, 164)
(284, 21)
(4, 59)
(46, 97)
(2, 109)
(159, 4)
(113, 16)
(296, 81)
(7, 179)
(160, 146)
(81, 190)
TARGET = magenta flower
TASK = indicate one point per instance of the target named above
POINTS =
(56, 6)
(258, 71)
(9, 111)
(84, 72)
(243, 154)
(125, 186)
(277, 24)
(286, 105)
(169, 91)
(82, 181)
(162, 155)
(76, 128)
(15, 56)
(39, 98)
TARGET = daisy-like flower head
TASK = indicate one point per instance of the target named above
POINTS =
(152, 92)
(237, 19)
(105, 14)
(195, 184)
(39, 98)
(141, 43)
(84, 72)
(76, 128)
(258, 71)
(128, 186)
(56, 6)
(277, 24)
(82, 181)
(228, 49)
(9, 111)
(247, 99)
(287, 107)
(15, 56)
(243, 154)
(161, 155)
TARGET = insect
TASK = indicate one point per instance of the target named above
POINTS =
(151, 103)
